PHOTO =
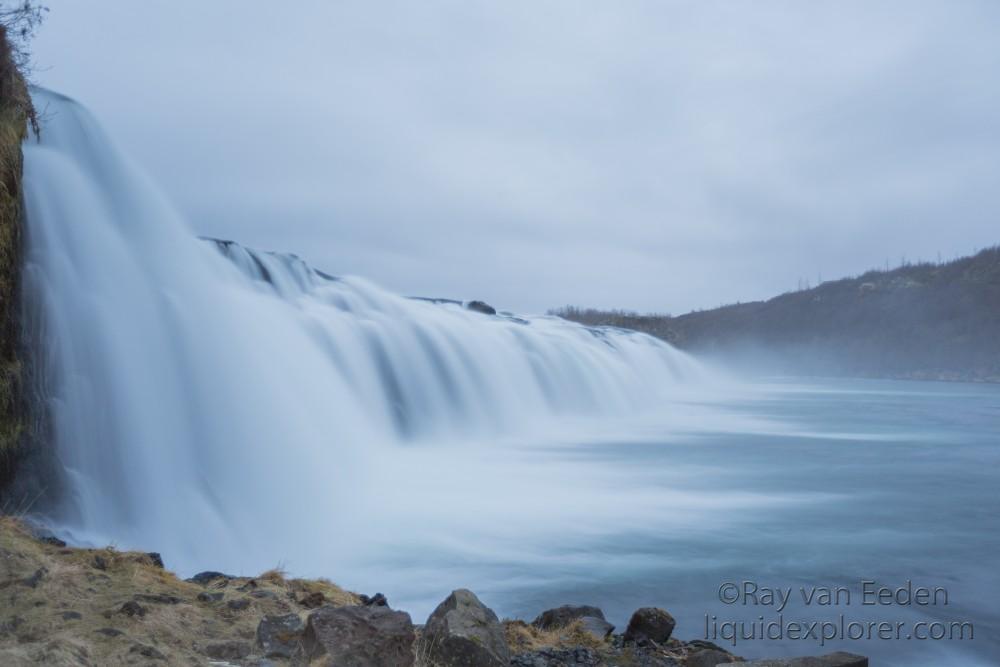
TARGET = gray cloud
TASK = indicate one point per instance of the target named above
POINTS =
(648, 155)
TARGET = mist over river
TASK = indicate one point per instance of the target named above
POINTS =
(238, 410)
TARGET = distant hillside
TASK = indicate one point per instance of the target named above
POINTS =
(938, 321)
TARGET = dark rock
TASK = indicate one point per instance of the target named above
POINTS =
(250, 585)
(204, 578)
(562, 616)
(53, 540)
(838, 659)
(481, 307)
(228, 650)
(463, 631)
(650, 623)
(109, 632)
(158, 598)
(71, 616)
(360, 637)
(36, 578)
(377, 600)
(708, 657)
(155, 557)
(132, 608)
(209, 597)
(558, 657)
(280, 636)
(238, 604)
(147, 651)
(100, 562)
(313, 600)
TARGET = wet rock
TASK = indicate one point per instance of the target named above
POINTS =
(557, 657)
(463, 631)
(708, 657)
(209, 597)
(560, 617)
(147, 652)
(377, 600)
(156, 559)
(227, 650)
(280, 636)
(650, 623)
(481, 307)
(360, 637)
(132, 609)
(838, 659)
(238, 604)
(205, 578)
(313, 600)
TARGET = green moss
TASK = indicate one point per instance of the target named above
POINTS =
(15, 108)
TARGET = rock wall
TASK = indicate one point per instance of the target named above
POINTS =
(15, 107)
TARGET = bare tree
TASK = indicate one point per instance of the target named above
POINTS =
(18, 22)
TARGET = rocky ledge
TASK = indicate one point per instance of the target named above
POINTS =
(67, 606)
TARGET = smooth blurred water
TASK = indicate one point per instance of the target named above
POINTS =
(238, 410)
(818, 483)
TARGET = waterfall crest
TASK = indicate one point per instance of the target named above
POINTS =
(202, 393)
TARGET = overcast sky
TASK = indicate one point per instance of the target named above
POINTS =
(657, 156)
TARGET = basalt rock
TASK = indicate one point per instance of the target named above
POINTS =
(481, 307)
(280, 636)
(359, 636)
(838, 659)
(650, 623)
(463, 631)
(560, 617)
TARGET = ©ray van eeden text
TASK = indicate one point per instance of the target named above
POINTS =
(868, 594)
(749, 593)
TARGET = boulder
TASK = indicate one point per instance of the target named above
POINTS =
(650, 623)
(481, 307)
(232, 649)
(579, 656)
(560, 617)
(708, 657)
(359, 636)
(205, 578)
(463, 631)
(838, 659)
(279, 636)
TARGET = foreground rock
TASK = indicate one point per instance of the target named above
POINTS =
(63, 606)
(838, 659)
(650, 624)
(462, 632)
(361, 636)
(280, 636)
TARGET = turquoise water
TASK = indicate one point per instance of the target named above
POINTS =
(831, 483)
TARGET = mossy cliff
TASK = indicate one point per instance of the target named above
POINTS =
(15, 110)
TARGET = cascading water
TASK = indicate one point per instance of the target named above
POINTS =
(234, 409)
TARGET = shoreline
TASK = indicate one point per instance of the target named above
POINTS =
(98, 606)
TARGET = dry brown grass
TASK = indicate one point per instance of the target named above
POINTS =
(523, 637)
(73, 613)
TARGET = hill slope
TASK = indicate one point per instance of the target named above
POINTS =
(939, 321)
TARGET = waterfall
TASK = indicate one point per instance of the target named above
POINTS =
(227, 406)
